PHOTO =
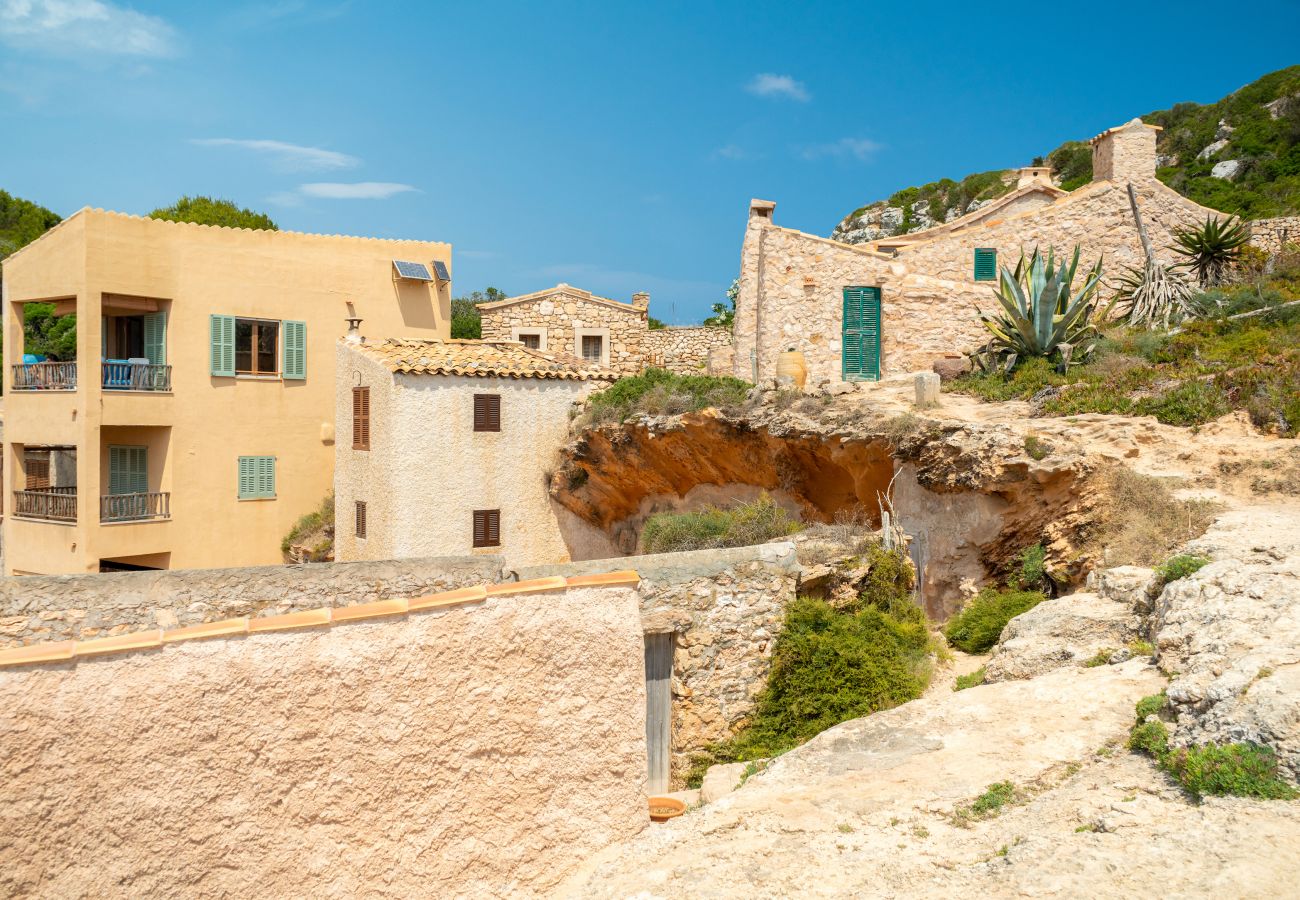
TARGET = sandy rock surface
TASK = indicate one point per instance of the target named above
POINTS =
(1065, 631)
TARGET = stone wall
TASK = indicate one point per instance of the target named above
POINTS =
(683, 350)
(480, 749)
(564, 314)
(725, 608)
(1270, 235)
(62, 607)
(791, 283)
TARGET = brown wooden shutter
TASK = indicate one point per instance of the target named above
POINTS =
(361, 418)
(361, 518)
(487, 412)
(487, 528)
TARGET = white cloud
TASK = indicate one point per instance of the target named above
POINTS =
(70, 27)
(288, 157)
(781, 86)
(731, 151)
(859, 149)
(360, 190)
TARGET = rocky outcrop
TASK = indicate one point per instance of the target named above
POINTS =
(1066, 631)
(1231, 634)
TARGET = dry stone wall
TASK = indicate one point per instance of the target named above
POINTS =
(63, 607)
(683, 350)
(479, 750)
(1271, 235)
(725, 608)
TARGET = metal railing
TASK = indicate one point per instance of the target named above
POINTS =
(126, 376)
(45, 376)
(134, 507)
(54, 504)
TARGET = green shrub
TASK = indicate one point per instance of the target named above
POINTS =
(1036, 447)
(979, 625)
(1150, 706)
(1180, 566)
(1191, 403)
(317, 525)
(974, 679)
(1238, 770)
(830, 665)
(987, 804)
(659, 392)
(1101, 658)
(1151, 738)
(1031, 572)
(739, 526)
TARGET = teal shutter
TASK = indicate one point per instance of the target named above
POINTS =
(294, 343)
(256, 477)
(155, 338)
(860, 347)
(128, 470)
(223, 345)
(986, 264)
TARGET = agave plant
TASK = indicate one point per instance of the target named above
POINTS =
(1212, 249)
(1042, 314)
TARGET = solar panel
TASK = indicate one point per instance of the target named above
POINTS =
(440, 269)
(412, 270)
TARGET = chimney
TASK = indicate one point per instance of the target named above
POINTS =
(641, 300)
(1030, 175)
(1125, 153)
(354, 331)
(761, 209)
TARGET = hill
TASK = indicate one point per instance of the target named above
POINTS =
(1240, 155)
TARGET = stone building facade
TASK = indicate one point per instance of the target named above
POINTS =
(924, 286)
(604, 332)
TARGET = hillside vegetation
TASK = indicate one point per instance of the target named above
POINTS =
(1257, 127)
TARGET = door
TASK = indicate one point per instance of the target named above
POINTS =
(861, 334)
(658, 709)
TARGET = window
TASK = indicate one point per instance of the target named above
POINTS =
(256, 477)
(487, 412)
(533, 340)
(37, 464)
(257, 347)
(361, 418)
(361, 518)
(986, 264)
(593, 348)
(487, 528)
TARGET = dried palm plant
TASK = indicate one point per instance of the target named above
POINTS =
(1156, 294)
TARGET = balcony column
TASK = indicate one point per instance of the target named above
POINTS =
(89, 418)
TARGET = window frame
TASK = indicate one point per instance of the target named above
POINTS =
(491, 522)
(361, 417)
(277, 354)
(491, 413)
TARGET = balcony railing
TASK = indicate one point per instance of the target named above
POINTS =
(128, 376)
(135, 507)
(116, 375)
(45, 376)
(53, 504)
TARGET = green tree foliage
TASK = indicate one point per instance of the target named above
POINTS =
(211, 211)
(724, 312)
(22, 222)
(466, 321)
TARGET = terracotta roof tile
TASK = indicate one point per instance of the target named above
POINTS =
(502, 359)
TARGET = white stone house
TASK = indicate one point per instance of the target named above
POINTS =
(443, 448)
(859, 312)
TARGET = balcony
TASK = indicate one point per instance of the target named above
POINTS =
(135, 507)
(50, 504)
(115, 375)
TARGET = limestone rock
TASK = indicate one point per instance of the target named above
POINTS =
(1227, 169)
(1211, 149)
(1134, 586)
(721, 780)
(1066, 631)
(950, 367)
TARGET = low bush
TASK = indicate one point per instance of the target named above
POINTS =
(1180, 566)
(979, 624)
(1030, 573)
(974, 679)
(742, 525)
(1140, 520)
(830, 665)
(986, 805)
(314, 531)
(659, 392)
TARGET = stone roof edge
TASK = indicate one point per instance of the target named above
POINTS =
(372, 352)
(566, 289)
(87, 210)
(948, 228)
(855, 248)
(1128, 124)
(326, 616)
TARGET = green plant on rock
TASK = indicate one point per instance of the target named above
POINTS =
(1180, 566)
(979, 625)
(1042, 314)
(1212, 249)
(974, 679)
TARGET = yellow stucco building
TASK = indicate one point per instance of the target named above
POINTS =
(196, 424)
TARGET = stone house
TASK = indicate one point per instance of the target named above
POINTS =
(601, 331)
(865, 311)
(444, 447)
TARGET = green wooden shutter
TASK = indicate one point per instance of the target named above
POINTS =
(860, 347)
(128, 470)
(256, 477)
(222, 331)
(155, 338)
(294, 349)
(986, 264)
(266, 476)
(247, 480)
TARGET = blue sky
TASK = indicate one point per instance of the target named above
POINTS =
(613, 146)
